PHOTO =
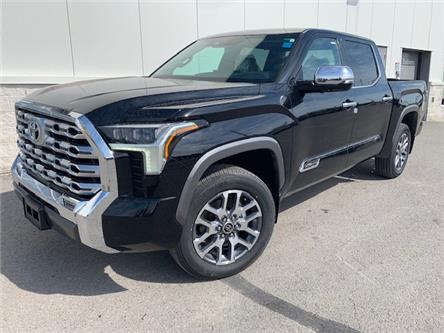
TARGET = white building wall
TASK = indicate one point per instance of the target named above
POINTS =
(35, 40)
(56, 41)
(264, 14)
(62, 40)
(436, 40)
(176, 32)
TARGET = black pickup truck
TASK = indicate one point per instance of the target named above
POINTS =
(196, 158)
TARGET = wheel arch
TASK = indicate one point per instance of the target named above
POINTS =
(411, 120)
(399, 117)
(220, 155)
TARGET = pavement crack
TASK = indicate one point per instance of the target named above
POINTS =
(354, 269)
(284, 308)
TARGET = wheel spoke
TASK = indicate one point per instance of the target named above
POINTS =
(202, 238)
(404, 146)
(249, 205)
(220, 255)
(233, 244)
(203, 222)
(218, 212)
(243, 242)
(237, 209)
(212, 245)
(244, 226)
(211, 225)
(252, 232)
(225, 203)
(252, 216)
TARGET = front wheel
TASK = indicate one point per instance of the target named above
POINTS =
(393, 166)
(229, 224)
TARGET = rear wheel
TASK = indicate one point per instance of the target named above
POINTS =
(229, 224)
(393, 166)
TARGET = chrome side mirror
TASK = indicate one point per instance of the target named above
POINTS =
(334, 77)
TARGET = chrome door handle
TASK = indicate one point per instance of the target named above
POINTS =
(347, 105)
(387, 99)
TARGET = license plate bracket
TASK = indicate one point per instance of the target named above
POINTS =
(35, 213)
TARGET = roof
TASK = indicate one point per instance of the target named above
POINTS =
(281, 32)
(259, 32)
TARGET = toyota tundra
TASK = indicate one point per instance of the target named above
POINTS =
(196, 158)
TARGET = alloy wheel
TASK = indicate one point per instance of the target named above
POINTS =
(227, 227)
(401, 151)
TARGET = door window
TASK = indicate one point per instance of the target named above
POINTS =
(322, 52)
(361, 60)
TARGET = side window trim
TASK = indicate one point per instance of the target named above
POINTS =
(344, 55)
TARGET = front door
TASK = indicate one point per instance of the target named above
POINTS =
(324, 123)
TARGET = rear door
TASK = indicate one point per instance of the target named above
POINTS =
(372, 96)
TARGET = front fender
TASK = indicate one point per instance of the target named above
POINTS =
(220, 153)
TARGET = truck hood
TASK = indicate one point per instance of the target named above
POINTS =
(140, 99)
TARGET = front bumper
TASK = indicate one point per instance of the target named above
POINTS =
(105, 223)
(85, 216)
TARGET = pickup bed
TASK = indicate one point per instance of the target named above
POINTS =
(196, 158)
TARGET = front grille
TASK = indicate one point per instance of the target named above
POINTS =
(57, 153)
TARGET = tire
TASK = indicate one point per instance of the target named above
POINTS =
(207, 228)
(394, 165)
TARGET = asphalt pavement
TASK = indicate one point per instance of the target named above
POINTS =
(354, 253)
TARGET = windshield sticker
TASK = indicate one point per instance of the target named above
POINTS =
(287, 43)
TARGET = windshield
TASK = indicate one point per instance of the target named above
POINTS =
(257, 58)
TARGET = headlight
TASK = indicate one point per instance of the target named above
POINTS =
(130, 134)
(153, 141)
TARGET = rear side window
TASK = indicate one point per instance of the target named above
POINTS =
(322, 52)
(360, 58)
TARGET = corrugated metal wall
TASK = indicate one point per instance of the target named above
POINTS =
(61, 40)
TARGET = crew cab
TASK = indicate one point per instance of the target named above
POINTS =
(197, 157)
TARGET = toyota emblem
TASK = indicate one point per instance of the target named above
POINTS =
(35, 131)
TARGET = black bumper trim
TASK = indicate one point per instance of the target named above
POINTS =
(54, 220)
(141, 224)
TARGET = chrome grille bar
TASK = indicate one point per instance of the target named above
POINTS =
(75, 169)
(63, 129)
(59, 180)
(62, 157)
(59, 146)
